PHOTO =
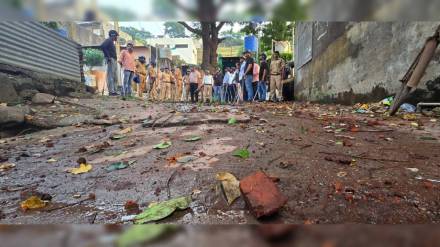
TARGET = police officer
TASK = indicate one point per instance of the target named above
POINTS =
(141, 72)
(276, 70)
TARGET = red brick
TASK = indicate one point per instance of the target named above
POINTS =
(261, 194)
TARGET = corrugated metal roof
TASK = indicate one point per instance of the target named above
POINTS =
(30, 45)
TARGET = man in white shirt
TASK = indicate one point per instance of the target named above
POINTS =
(208, 81)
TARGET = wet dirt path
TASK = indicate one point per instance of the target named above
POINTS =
(347, 176)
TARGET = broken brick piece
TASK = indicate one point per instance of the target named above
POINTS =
(261, 194)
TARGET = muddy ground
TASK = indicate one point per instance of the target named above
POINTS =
(335, 166)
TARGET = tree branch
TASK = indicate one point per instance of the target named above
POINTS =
(191, 29)
(220, 25)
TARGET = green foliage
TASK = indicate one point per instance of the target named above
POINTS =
(231, 38)
(51, 24)
(136, 34)
(286, 56)
(93, 57)
(174, 30)
(275, 30)
(242, 153)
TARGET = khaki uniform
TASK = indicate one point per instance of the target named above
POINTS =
(167, 86)
(141, 71)
(275, 78)
(178, 83)
(151, 82)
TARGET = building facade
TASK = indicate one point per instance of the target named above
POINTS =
(351, 62)
(185, 48)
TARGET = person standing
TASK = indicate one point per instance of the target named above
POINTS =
(151, 87)
(109, 50)
(194, 84)
(241, 75)
(218, 86)
(226, 83)
(262, 83)
(141, 72)
(208, 81)
(179, 83)
(167, 80)
(248, 75)
(276, 70)
(127, 62)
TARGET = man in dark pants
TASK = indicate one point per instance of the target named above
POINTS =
(248, 76)
(109, 50)
(194, 85)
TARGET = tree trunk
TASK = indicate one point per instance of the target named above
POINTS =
(206, 40)
(213, 46)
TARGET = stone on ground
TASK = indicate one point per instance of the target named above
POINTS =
(261, 194)
(13, 114)
(43, 98)
(8, 93)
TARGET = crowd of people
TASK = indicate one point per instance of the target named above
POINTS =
(247, 81)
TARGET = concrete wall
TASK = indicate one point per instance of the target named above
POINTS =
(364, 61)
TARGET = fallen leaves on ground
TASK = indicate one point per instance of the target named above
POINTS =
(117, 137)
(186, 159)
(230, 185)
(341, 174)
(138, 235)
(32, 202)
(232, 121)
(83, 168)
(6, 166)
(117, 166)
(162, 210)
(193, 139)
(242, 153)
(163, 145)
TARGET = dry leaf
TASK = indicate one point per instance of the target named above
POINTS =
(231, 186)
(6, 166)
(83, 168)
(32, 202)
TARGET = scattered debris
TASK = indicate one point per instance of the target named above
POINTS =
(131, 207)
(242, 153)
(185, 159)
(232, 121)
(230, 185)
(83, 168)
(162, 210)
(163, 145)
(193, 139)
(33, 202)
(6, 166)
(261, 194)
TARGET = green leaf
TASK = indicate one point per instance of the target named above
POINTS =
(162, 210)
(117, 137)
(242, 153)
(193, 139)
(162, 145)
(136, 235)
(232, 121)
(117, 166)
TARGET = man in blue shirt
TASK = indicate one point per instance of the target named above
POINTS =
(109, 50)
